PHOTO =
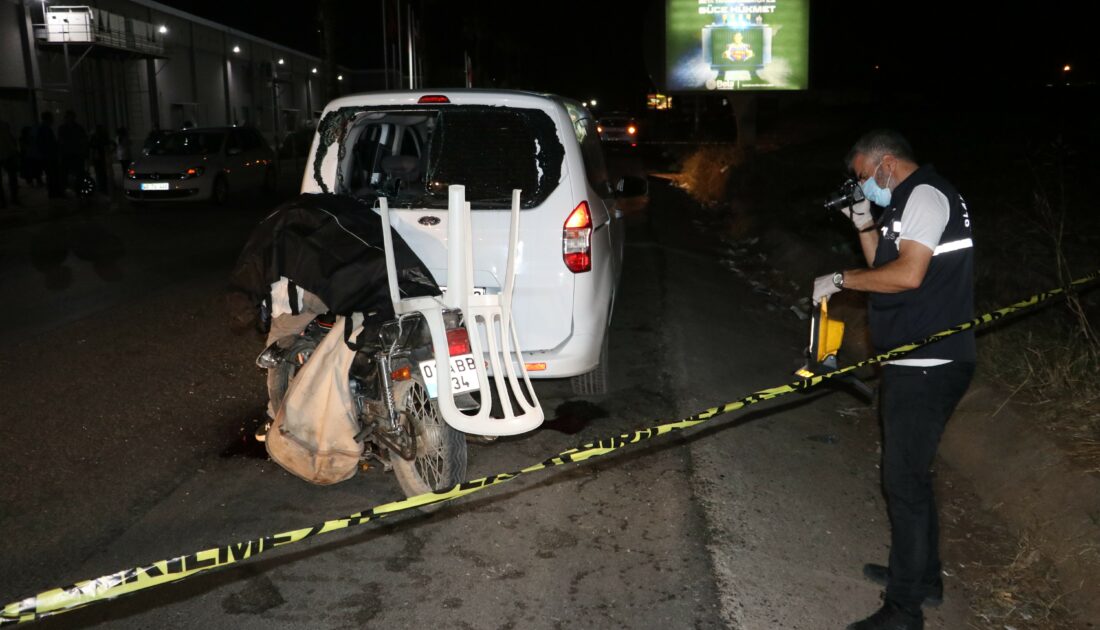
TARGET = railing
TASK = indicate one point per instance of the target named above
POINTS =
(85, 25)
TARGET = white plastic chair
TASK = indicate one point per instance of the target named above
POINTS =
(489, 324)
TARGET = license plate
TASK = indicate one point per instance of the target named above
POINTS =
(155, 186)
(463, 375)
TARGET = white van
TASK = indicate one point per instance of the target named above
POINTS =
(409, 146)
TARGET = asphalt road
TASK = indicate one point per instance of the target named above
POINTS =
(128, 406)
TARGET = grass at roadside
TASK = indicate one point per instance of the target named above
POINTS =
(1011, 583)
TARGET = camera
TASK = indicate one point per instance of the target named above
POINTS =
(849, 194)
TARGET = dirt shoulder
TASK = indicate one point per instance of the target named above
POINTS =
(1024, 477)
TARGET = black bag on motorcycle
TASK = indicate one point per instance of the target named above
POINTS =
(331, 246)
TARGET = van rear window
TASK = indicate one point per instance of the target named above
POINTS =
(412, 154)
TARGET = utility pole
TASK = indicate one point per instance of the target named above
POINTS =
(409, 34)
(385, 48)
(327, 19)
(743, 105)
(400, 62)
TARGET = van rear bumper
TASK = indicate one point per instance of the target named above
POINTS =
(578, 355)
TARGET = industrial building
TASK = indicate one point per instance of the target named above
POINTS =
(144, 65)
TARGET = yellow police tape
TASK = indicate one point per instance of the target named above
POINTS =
(165, 571)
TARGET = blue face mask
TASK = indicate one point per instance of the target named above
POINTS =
(876, 194)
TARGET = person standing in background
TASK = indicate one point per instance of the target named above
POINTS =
(152, 140)
(45, 145)
(102, 149)
(123, 149)
(73, 146)
(9, 164)
(30, 163)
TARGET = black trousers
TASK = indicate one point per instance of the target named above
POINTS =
(915, 403)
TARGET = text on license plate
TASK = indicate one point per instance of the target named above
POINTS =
(463, 375)
(155, 186)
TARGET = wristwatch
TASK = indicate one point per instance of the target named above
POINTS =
(838, 279)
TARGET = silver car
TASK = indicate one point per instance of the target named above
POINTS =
(202, 164)
(618, 129)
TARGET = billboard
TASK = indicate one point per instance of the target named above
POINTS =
(737, 45)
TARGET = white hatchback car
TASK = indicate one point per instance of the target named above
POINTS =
(409, 146)
(202, 164)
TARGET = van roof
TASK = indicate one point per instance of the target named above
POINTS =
(457, 96)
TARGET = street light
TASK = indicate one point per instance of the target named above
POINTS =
(593, 102)
(281, 62)
(1066, 68)
(163, 30)
(236, 49)
(314, 71)
(339, 77)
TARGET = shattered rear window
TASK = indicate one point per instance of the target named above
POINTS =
(488, 149)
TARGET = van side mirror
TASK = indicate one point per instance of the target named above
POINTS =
(630, 186)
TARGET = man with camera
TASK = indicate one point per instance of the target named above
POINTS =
(919, 279)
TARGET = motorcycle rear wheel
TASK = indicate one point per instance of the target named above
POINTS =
(440, 460)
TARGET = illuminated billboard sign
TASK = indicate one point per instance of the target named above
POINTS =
(737, 45)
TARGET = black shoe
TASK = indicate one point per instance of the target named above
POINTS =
(890, 617)
(933, 594)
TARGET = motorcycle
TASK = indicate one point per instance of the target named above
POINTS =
(443, 369)
(392, 385)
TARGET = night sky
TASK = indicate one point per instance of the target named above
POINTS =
(611, 49)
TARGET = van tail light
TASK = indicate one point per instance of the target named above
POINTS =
(458, 341)
(576, 240)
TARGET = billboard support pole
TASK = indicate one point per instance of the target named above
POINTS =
(697, 116)
(743, 105)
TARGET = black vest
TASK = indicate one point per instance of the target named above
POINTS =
(945, 297)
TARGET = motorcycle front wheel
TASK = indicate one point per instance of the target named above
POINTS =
(440, 461)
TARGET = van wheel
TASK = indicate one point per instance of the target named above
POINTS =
(593, 383)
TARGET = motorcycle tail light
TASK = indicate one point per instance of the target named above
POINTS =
(458, 341)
